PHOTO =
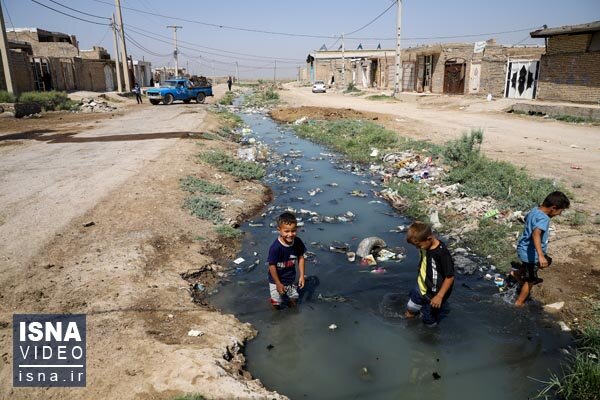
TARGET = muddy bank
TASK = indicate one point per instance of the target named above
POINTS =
(126, 271)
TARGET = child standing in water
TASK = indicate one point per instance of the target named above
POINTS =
(435, 277)
(533, 243)
(286, 252)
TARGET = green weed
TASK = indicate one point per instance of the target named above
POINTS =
(493, 239)
(6, 97)
(580, 380)
(228, 232)
(264, 96)
(381, 97)
(575, 218)
(464, 149)
(353, 138)
(573, 119)
(351, 88)
(194, 185)
(241, 169)
(50, 101)
(414, 194)
(227, 99)
(228, 121)
(204, 208)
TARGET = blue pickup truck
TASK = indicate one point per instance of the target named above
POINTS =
(178, 89)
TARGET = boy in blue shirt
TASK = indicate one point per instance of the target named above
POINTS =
(533, 243)
(286, 252)
(435, 277)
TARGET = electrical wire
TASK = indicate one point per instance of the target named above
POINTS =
(374, 19)
(7, 13)
(81, 12)
(141, 47)
(69, 15)
(210, 48)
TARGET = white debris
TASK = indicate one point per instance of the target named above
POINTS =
(195, 333)
(238, 261)
(374, 152)
(554, 307)
(564, 327)
(333, 327)
(300, 121)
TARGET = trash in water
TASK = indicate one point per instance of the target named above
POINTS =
(270, 347)
(564, 327)
(195, 333)
(255, 225)
(339, 247)
(351, 256)
(199, 287)
(368, 260)
(333, 327)
(333, 184)
(499, 281)
(358, 193)
(379, 270)
(335, 299)
(369, 246)
(436, 376)
(314, 191)
(374, 152)
(238, 261)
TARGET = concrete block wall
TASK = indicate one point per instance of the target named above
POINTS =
(91, 75)
(22, 74)
(570, 77)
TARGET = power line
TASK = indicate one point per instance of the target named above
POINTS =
(73, 9)
(212, 48)
(69, 15)
(448, 37)
(141, 47)
(374, 19)
(7, 13)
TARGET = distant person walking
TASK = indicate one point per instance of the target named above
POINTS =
(229, 83)
(138, 93)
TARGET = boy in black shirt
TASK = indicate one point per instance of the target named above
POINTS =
(435, 277)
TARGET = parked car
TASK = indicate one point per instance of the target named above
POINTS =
(319, 87)
(178, 89)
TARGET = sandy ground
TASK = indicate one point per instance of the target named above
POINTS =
(132, 269)
(544, 147)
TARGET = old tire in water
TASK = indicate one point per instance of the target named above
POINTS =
(154, 102)
(187, 101)
(168, 99)
(370, 245)
(200, 98)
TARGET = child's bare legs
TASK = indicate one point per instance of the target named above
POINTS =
(292, 303)
(525, 290)
(409, 314)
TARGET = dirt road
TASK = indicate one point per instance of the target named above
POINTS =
(546, 148)
(92, 222)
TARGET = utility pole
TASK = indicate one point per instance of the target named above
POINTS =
(275, 72)
(117, 61)
(4, 50)
(237, 72)
(175, 27)
(212, 67)
(343, 63)
(398, 49)
(126, 77)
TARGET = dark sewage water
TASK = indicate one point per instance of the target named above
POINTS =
(483, 349)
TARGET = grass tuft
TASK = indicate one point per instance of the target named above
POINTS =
(242, 169)
(6, 97)
(194, 185)
(580, 379)
(414, 194)
(50, 101)
(264, 96)
(227, 99)
(228, 232)
(204, 208)
(351, 88)
(493, 239)
(189, 396)
(384, 97)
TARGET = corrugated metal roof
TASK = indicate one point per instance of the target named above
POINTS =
(567, 30)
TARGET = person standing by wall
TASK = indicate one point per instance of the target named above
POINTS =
(229, 83)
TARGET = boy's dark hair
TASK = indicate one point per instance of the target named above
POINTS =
(287, 218)
(418, 232)
(557, 199)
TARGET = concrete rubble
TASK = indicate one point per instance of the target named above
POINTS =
(95, 105)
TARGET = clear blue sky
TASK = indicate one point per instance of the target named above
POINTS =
(421, 20)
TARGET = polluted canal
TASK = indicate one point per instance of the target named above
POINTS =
(347, 338)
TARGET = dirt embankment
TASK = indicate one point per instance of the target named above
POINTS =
(124, 263)
(574, 277)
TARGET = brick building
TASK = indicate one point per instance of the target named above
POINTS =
(451, 68)
(22, 75)
(570, 69)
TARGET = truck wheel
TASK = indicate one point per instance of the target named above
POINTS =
(154, 102)
(187, 101)
(200, 98)
(168, 99)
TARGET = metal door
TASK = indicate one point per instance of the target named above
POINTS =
(521, 79)
(408, 76)
(474, 77)
(454, 78)
(108, 79)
